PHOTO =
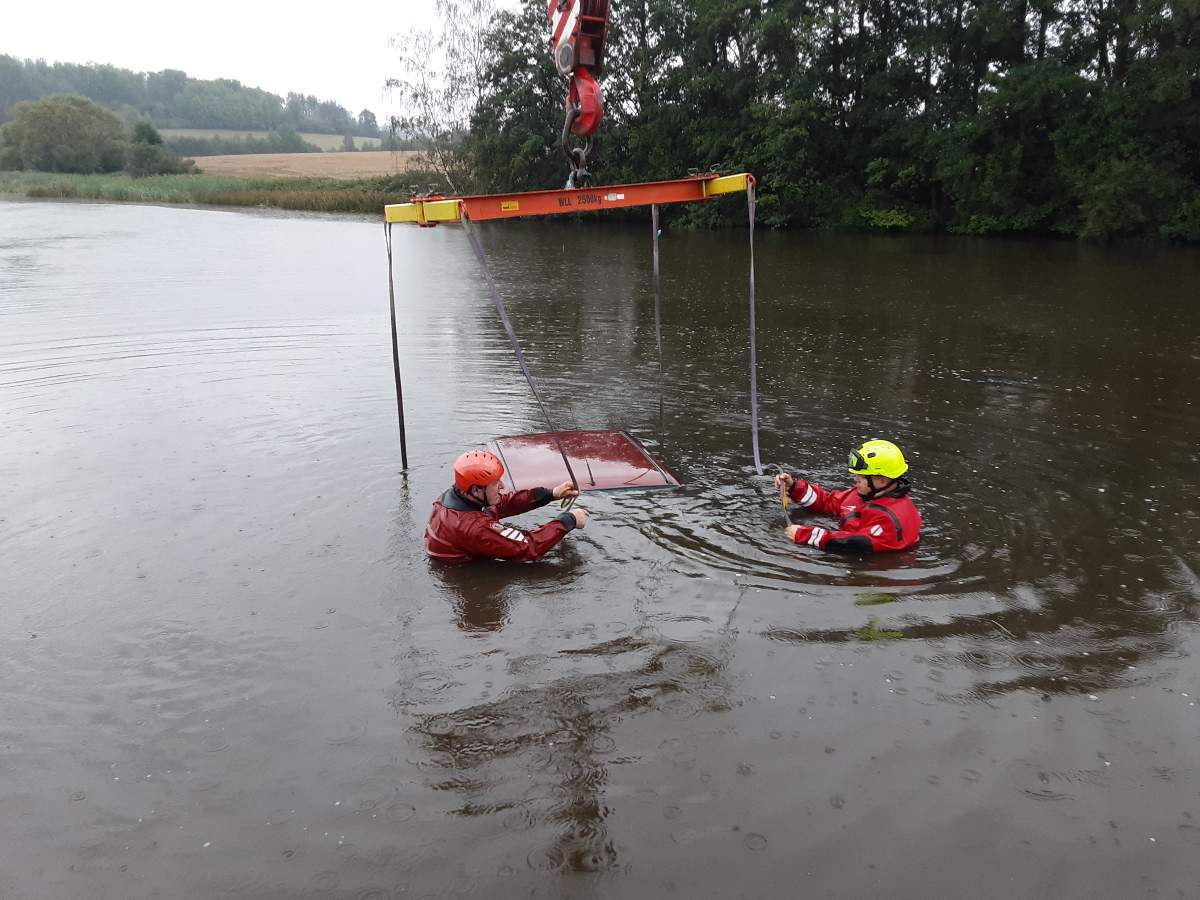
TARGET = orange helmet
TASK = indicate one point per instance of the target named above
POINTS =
(476, 467)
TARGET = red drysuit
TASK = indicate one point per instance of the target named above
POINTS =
(460, 529)
(884, 523)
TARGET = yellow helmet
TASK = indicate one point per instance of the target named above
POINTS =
(878, 458)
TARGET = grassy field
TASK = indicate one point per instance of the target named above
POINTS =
(324, 141)
(361, 195)
(365, 164)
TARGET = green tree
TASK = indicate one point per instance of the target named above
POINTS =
(367, 125)
(64, 134)
(512, 143)
(441, 80)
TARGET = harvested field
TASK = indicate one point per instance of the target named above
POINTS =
(365, 164)
(324, 141)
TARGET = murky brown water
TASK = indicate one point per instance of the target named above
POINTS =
(228, 670)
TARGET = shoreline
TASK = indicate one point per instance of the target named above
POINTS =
(359, 196)
(366, 197)
(278, 211)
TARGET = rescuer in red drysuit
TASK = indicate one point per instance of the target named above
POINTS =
(465, 522)
(876, 514)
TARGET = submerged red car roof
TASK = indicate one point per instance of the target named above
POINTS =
(602, 460)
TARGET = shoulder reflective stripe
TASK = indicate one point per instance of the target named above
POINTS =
(810, 497)
(893, 517)
(815, 538)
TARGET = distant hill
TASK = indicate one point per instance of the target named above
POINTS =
(170, 99)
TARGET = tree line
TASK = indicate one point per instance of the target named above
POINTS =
(1073, 117)
(273, 142)
(171, 99)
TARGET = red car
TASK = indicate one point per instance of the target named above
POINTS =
(601, 460)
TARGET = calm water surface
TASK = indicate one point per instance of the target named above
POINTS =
(228, 669)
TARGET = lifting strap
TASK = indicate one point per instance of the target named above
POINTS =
(502, 310)
(658, 321)
(753, 339)
(387, 237)
(657, 290)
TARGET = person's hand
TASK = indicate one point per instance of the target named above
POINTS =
(783, 480)
(565, 490)
(791, 532)
(581, 516)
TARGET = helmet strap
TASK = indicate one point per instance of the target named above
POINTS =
(471, 498)
(870, 495)
(875, 492)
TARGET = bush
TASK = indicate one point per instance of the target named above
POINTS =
(1185, 225)
(146, 154)
(63, 134)
(871, 218)
(154, 159)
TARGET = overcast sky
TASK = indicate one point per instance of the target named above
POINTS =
(337, 52)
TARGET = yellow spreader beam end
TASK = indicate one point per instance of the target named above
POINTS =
(726, 184)
(424, 212)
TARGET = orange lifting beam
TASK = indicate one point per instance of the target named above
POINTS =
(484, 207)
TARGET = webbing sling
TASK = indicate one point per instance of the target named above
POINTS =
(387, 236)
(662, 438)
(657, 289)
(753, 340)
(502, 310)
